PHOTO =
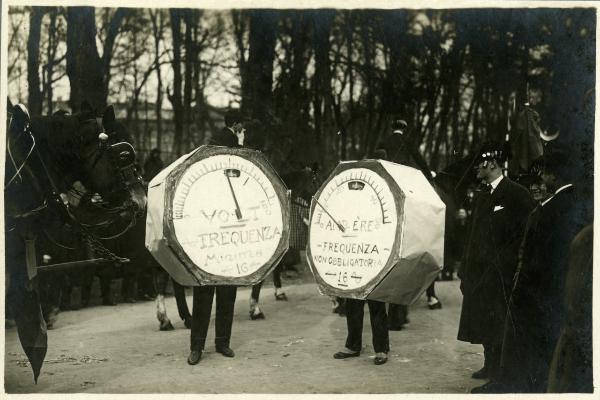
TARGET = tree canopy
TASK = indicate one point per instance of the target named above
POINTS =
(324, 84)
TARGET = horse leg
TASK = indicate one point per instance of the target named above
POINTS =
(182, 307)
(279, 293)
(160, 282)
(432, 300)
(87, 280)
(255, 311)
(105, 278)
(65, 291)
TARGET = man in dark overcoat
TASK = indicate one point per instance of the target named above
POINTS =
(232, 135)
(536, 311)
(491, 256)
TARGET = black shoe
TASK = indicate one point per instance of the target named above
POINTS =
(379, 360)
(226, 351)
(481, 374)
(166, 326)
(340, 355)
(281, 296)
(253, 316)
(395, 327)
(187, 321)
(340, 310)
(434, 306)
(491, 387)
(194, 357)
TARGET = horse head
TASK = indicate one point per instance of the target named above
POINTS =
(109, 161)
(63, 153)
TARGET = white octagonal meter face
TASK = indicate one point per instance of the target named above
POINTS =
(227, 216)
(352, 229)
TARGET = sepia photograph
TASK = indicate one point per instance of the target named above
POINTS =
(298, 198)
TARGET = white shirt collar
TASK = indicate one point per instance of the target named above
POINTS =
(495, 182)
(560, 189)
(240, 135)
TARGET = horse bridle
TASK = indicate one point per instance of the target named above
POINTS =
(10, 155)
(123, 162)
(122, 155)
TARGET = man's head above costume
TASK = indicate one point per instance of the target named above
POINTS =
(233, 117)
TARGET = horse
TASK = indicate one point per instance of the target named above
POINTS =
(74, 168)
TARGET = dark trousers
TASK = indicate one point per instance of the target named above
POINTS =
(491, 359)
(203, 299)
(398, 315)
(431, 290)
(276, 281)
(354, 319)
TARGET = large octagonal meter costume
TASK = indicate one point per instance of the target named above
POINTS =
(218, 216)
(376, 232)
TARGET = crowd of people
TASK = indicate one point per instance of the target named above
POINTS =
(514, 276)
(524, 275)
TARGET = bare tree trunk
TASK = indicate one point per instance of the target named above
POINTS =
(240, 22)
(257, 100)
(157, 29)
(111, 36)
(35, 96)
(322, 104)
(51, 61)
(175, 97)
(88, 73)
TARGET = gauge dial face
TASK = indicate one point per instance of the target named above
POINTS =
(227, 216)
(353, 228)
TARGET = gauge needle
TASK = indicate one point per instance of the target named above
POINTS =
(238, 212)
(330, 216)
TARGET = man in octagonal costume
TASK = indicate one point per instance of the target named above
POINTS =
(232, 135)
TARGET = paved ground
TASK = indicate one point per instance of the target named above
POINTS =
(120, 350)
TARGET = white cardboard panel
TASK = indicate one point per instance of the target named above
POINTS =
(418, 256)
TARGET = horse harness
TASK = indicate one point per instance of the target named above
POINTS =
(122, 157)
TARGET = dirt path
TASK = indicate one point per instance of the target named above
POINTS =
(120, 350)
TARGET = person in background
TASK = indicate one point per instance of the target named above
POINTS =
(491, 257)
(571, 366)
(536, 311)
(153, 165)
(538, 190)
